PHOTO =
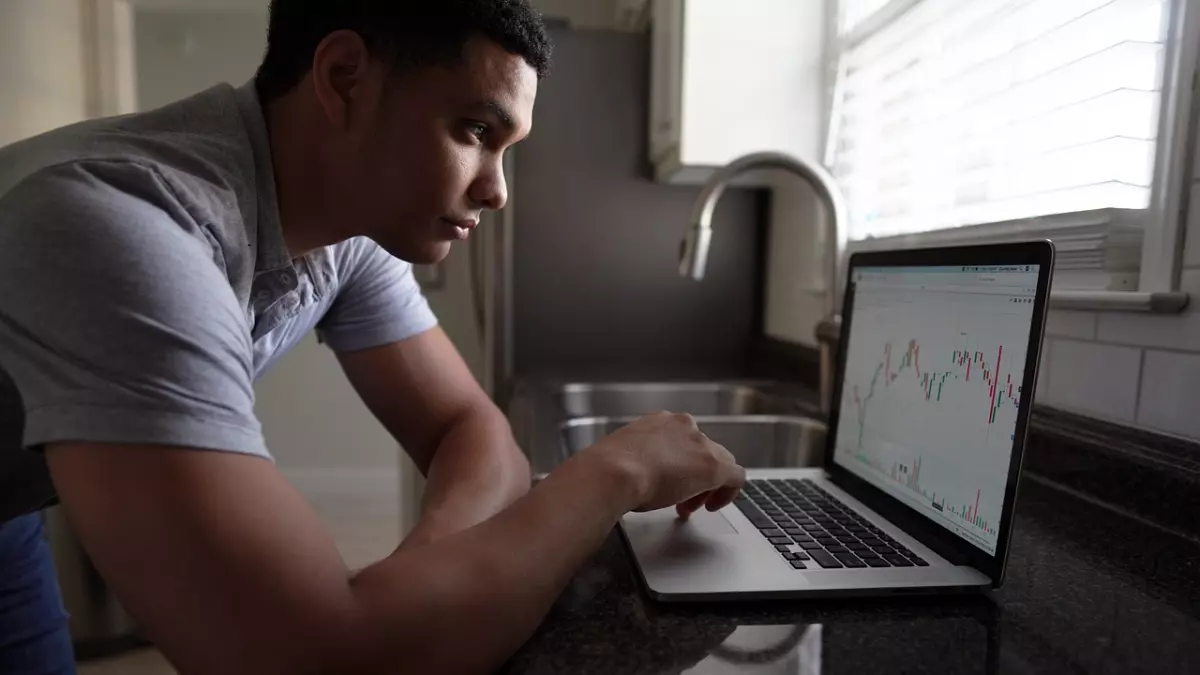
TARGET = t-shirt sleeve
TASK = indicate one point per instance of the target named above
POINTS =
(116, 322)
(378, 302)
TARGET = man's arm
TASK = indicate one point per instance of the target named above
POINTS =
(229, 571)
(424, 394)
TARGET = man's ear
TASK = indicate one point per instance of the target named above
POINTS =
(342, 77)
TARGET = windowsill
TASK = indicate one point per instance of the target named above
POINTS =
(1171, 302)
(1163, 302)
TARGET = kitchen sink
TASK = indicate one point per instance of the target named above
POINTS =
(757, 441)
(632, 399)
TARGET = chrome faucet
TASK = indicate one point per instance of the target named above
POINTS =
(698, 240)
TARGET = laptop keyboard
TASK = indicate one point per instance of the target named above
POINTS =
(806, 523)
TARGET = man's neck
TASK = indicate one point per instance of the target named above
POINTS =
(304, 211)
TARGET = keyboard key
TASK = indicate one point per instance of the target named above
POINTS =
(859, 546)
(837, 549)
(802, 538)
(846, 539)
(754, 515)
(789, 556)
(760, 521)
(772, 533)
(793, 529)
(799, 564)
(780, 540)
(811, 546)
(875, 561)
(783, 548)
(826, 560)
(897, 560)
(903, 551)
(918, 561)
(826, 541)
(850, 560)
(871, 541)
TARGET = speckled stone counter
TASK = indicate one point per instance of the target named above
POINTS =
(1088, 591)
(1104, 577)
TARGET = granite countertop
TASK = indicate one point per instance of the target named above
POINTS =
(1094, 586)
(1088, 591)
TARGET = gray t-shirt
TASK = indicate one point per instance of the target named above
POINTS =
(145, 285)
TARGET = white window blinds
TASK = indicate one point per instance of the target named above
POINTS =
(973, 111)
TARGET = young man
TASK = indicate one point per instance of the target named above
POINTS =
(152, 266)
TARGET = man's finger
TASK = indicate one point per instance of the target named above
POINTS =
(722, 497)
(686, 508)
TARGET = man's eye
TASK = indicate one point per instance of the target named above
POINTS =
(477, 130)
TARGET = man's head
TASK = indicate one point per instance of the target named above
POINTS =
(410, 106)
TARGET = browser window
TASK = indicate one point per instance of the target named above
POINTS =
(934, 374)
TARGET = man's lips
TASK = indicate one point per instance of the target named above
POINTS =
(462, 228)
(466, 224)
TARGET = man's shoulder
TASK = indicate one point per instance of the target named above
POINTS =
(194, 152)
(182, 167)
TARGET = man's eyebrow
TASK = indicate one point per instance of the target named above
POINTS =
(499, 111)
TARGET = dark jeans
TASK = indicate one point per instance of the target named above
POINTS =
(34, 639)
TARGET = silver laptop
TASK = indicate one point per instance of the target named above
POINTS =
(923, 452)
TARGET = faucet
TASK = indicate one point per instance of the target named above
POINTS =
(698, 240)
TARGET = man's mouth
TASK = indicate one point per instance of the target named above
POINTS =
(462, 226)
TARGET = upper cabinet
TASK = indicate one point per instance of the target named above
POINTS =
(730, 78)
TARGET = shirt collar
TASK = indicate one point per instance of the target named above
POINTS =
(272, 252)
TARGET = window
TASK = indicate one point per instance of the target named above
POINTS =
(953, 112)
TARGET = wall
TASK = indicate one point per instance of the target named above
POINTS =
(580, 13)
(41, 66)
(180, 52)
(596, 242)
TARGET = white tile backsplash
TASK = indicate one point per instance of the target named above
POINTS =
(1071, 324)
(1094, 379)
(1171, 393)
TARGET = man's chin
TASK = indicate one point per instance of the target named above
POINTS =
(428, 254)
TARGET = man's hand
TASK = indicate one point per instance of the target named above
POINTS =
(671, 463)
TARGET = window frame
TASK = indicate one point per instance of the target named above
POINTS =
(1164, 220)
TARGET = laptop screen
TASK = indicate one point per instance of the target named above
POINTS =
(933, 378)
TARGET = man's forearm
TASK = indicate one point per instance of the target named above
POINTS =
(465, 602)
(476, 472)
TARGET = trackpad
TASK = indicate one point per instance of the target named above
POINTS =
(709, 522)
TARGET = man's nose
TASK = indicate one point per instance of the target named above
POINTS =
(490, 190)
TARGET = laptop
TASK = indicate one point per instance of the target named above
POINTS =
(922, 456)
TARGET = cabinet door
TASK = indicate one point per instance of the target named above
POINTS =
(666, 78)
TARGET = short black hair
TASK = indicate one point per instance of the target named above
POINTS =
(410, 32)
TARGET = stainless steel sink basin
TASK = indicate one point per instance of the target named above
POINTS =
(757, 441)
(631, 399)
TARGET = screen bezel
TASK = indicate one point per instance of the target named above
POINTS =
(917, 524)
